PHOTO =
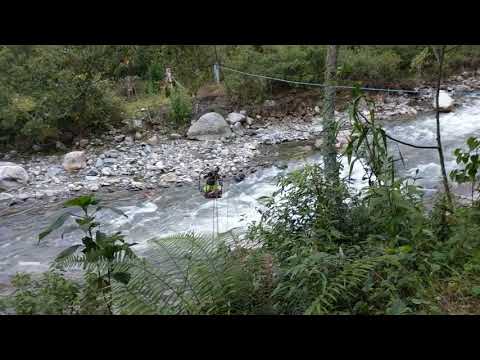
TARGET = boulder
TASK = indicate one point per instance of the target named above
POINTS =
(234, 118)
(154, 140)
(138, 136)
(12, 176)
(445, 101)
(211, 126)
(74, 161)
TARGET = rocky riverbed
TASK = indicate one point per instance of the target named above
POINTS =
(147, 160)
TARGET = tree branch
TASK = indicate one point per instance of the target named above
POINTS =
(400, 141)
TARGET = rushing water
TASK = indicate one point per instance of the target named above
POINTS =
(184, 209)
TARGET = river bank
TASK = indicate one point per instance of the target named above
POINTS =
(117, 161)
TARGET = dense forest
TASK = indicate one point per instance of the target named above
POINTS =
(320, 246)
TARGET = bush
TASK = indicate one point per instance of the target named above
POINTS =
(180, 107)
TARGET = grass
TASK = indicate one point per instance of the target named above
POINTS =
(151, 102)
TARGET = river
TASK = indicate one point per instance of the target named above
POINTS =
(181, 209)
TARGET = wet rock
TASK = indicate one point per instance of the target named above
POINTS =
(6, 199)
(74, 161)
(12, 176)
(211, 126)
(445, 102)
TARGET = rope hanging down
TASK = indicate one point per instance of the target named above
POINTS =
(314, 84)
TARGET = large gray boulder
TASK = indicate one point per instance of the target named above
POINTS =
(12, 176)
(74, 161)
(211, 126)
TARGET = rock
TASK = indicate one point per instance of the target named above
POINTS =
(238, 129)
(106, 171)
(317, 110)
(160, 165)
(445, 102)
(175, 136)
(281, 165)
(169, 178)
(211, 126)
(60, 146)
(92, 172)
(138, 136)
(119, 138)
(83, 143)
(136, 185)
(239, 177)
(109, 161)
(249, 121)
(6, 199)
(318, 144)
(23, 196)
(269, 103)
(74, 161)
(93, 187)
(36, 148)
(234, 118)
(99, 163)
(135, 124)
(128, 140)
(54, 171)
(12, 176)
(112, 154)
(154, 140)
(343, 138)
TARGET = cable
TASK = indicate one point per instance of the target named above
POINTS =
(314, 84)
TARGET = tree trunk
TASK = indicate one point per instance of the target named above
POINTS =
(330, 126)
(440, 55)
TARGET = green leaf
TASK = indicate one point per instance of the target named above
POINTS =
(57, 224)
(115, 210)
(476, 291)
(81, 201)
(67, 252)
(122, 277)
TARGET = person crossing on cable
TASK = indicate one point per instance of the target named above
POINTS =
(213, 186)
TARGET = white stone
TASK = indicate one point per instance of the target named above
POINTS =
(12, 176)
(74, 161)
(445, 101)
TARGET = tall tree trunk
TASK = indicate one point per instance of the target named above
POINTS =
(330, 126)
(440, 55)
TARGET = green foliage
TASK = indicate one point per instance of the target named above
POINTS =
(180, 107)
(50, 91)
(191, 274)
(52, 294)
(471, 161)
(100, 252)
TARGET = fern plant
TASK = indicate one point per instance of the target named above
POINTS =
(192, 274)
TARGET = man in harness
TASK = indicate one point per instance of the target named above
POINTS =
(213, 185)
